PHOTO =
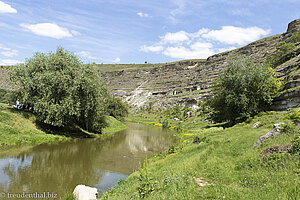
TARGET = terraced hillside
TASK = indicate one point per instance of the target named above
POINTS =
(190, 81)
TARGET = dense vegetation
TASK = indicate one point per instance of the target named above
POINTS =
(63, 92)
(244, 89)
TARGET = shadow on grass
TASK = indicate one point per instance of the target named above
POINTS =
(72, 131)
(23, 112)
(69, 131)
(223, 125)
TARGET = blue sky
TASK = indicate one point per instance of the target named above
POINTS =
(135, 31)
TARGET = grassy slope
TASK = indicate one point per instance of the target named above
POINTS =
(119, 67)
(19, 127)
(114, 125)
(226, 160)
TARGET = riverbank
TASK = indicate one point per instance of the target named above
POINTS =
(18, 127)
(215, 163)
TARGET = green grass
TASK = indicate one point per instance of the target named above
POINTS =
(18, 127)
(225, 160)
(114, 125)
(118, 67)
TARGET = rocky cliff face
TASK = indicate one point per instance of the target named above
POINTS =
(187, 82)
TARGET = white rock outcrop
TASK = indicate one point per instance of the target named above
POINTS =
(276, 130)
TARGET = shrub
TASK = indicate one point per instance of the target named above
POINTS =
(287, 128)
(244, 89)
(295, 117)
(296, 37)
(117, 108)
(285, 52)
(296, 145)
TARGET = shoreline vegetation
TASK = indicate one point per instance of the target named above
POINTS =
(212, 162)
(20, 127)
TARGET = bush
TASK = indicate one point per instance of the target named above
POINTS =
(244, 89)
(62, 91)
(296, 145)
(117, 108)
(285, 52)
(296, 37)
(295, 117)
(287, 128)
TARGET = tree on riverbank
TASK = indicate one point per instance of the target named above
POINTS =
(244, 89)
(62, 91)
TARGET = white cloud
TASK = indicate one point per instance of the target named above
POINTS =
(236, 35)
(5, 8)
(204, 42)
(10, 62)
(10, 53)
(179, 10)
(2, 47)
(86, 54)
(75, 32)
(175, 37)
(196, 50)
(220, 50)
(199, 33)
(153, 48)
(117, 60)
(48, 29)
(142, 14)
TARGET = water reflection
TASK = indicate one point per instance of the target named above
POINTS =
(101, 163)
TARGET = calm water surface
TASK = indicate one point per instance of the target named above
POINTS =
(58, 168)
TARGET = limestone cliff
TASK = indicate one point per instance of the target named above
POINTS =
(188, 82)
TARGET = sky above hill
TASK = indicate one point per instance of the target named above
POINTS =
(135, 31)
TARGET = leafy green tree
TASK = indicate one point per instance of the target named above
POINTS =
(62, 91)
(244, 89)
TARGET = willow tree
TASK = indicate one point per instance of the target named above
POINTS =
(62, 90)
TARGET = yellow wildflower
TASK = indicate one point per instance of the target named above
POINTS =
(188, 134)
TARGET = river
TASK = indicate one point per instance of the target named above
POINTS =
(100, 163)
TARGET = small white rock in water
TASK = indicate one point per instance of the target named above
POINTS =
(82, 192)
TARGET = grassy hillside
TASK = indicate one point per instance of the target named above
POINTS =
(222, 160)
(18, 127)
(119, 67)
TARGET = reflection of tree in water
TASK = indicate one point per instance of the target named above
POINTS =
(140, 141)
(59, 168)
(56, 168)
